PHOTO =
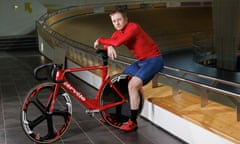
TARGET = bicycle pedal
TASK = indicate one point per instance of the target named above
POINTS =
(92, 112)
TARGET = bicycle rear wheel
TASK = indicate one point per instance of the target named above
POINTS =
(38, 123)
(119, 114)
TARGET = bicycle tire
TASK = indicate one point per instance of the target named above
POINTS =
(119, 114)
(38, 123)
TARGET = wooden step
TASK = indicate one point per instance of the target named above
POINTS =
(215, 117)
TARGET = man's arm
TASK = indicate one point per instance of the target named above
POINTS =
(111, 52)
(120, 38)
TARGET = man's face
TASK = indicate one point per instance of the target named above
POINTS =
(118, 21)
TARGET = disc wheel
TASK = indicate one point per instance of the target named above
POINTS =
(38, 123)
(119, 114)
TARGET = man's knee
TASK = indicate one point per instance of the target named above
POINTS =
(135, 83)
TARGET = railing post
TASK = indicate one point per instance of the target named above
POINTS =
(174, 85)
(175, 89)
(237, 104)
(155, 81)
(204, 96)
(238, 112)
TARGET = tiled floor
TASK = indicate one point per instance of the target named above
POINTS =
(16, 78)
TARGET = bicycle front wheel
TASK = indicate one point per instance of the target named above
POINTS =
(119, 114)
(38, 123)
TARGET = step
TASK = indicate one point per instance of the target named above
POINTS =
(216, 120)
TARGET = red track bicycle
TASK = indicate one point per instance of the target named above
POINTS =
(47, 109)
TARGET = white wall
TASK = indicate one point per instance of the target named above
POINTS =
(18, 17)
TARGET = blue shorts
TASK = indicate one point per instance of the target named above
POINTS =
(145, 69)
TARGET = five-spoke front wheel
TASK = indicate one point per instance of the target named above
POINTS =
(39, 124)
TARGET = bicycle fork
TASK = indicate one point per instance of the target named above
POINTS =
(52, 100)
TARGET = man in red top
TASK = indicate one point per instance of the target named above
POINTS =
(145, 51)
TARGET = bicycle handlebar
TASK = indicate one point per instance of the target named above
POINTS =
(37, 69)
(53, 68)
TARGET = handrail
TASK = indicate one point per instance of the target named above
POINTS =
(204, 76)
(42, 22)
(94, 5)
(201, 85)
(193, 74)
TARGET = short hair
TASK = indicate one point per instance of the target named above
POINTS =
(120, 9)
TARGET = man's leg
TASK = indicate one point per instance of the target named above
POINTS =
(133, 88)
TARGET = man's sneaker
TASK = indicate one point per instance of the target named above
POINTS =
(129, 126)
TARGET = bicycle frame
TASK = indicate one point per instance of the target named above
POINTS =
(91, 104)
(47, 109)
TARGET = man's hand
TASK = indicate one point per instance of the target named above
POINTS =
(112, 52)
(96, 44)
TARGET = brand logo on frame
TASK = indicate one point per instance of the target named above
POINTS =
(74, 91)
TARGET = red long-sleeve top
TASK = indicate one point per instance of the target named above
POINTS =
(135, 39)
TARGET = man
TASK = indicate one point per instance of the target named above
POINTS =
(145, 51)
